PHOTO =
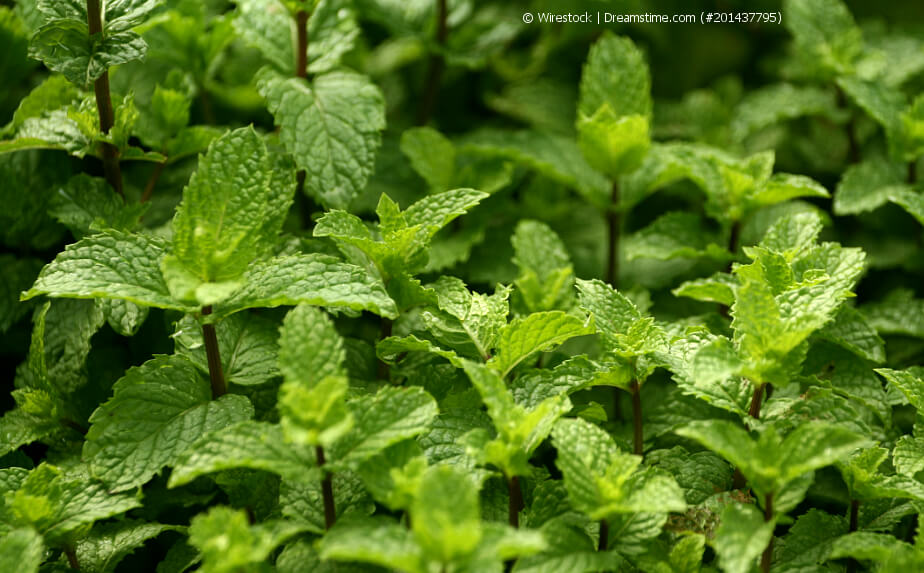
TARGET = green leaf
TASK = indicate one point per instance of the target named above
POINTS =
(228, 543)
(613, 145)
(232, 209)
(674, 235)
(111, 264)
(247, 345)
(393, 475)
(717, 288)
(331, 127)
(546, 274)
(66, 46)
(898, 312)
(432, 156)
(158, 409)
(910, 201)
(310, 279)
(851, 330)
(378, 542)
(21, 550)
(772, 104)
(538, 332)
(248, 444)
(741, 537)
(825, 33)
(602, 481)
(107, 544)
(556, 157)
(467, 322)
(303, 501)
(60, 506)
(19, 274)
(446, 515)
(52, 94)
(436, 211)
(867, 186)
(616, 75)
(310, 348)
(380, 420)
(908, 455)
(911, 385)
(613, 313)
(88, 204)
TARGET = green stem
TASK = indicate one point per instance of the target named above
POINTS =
(614, 229)
(71, 555)
(637, 434)
(435, 66)
(604, 535)
(754, 409)
(514, 501)
(213, 356)
(104, 105)
(301, 50)
(768, 552)
(152, 181)
(854, 522)
(327, 490)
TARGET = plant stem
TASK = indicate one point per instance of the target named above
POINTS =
(208, 111)
(614, 229)
(301, 50)
(152, 181)
(327, 490)
(213, 357)
(72, 558)
(104, 105)
(734, 237)
(912, 172)
(604, 535)
(434, 66)
(853, 148)
(768, 552)
(515, 501)
(384, 332)
(854, 519)
(754, 409)
(638, 437)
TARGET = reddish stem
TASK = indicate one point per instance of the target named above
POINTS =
(434, 66)
(327, 490)
(637, 434)
(104, 106)
(301, 51)
(213, 357)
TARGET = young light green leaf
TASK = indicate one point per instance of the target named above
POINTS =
(867, 186)
(111, 264)
(741, 537)
(228, 543)
(911, 385)
(674, 235)
(446, 515)
(616, 75)
(331, 127)
(613, 145)
(825, 32)
(898, 312)
(908, 455)
(538, 332)
(157, 411)
(436, 211)
(310, 348)
(58, 505)
(232, 209)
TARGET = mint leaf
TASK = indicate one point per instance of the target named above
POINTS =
(331, 127)
(227, 542)
(218, 231)
(546, 273)
(538, 332)
(378, 542)
(158, 409)
(66, 46)
(615, 74)
(380, 420)
(309, 279)
(111, 264)
(741, 537)
(446, 515)
(58, 505)
(825, 32)
(248, 444)
(107, 544)
(21, 550)
(432, 156)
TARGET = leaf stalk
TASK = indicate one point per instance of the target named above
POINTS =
(767, 555)
(638, 442)
(104, 108)
(435, 65)
(327, 490)
(213, 357)
(515, 501)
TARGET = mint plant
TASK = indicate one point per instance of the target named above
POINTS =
(330, 285)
